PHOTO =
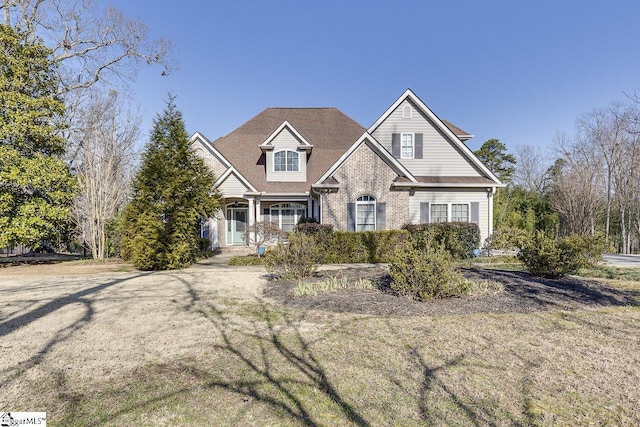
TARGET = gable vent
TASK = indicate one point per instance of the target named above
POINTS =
(407, 112)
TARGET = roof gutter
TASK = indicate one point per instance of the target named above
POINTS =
(444, 185)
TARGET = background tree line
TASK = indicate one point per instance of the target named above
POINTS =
(585, 183)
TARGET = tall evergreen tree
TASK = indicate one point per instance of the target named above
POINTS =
(172, 193)
(36, 187)
(493, 154)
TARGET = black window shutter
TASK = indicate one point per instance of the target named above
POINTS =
(424, 212)
(418, 146)
(351, 217)
(395, 145)
(381, 216)
(475, 212)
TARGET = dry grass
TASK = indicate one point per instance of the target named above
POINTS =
(194, 348)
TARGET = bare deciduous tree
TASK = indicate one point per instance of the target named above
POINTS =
(532, 167)
(109, 134)
(576, 190)
(89, 45)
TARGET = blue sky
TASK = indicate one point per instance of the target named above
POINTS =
(517, 71)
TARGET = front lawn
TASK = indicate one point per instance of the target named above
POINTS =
(187, 348)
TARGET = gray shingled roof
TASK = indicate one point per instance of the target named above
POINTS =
(329, 131)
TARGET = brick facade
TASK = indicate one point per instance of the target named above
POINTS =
(365, 173)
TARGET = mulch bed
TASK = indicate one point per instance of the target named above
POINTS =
(522, 294)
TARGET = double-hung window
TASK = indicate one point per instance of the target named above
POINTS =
(366, 213)
(459, 212)
(286, 161)
(406, 146)
(449, 212)
(438, 212)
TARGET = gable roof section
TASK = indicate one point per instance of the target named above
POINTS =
(329, 131)
(197, 136)
(408, 94)
(268, 144)
(239, 176)
(463, 135)
(366, 138)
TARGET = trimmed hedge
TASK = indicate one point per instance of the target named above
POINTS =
(460, 239)
(340, 247)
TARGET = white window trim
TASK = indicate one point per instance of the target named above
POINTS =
(374, 203)
(450, 209)
(413, 145)
(285, 160)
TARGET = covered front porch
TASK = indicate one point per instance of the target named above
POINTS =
(229, 227)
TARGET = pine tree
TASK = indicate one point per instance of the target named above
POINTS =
(36, 187)
(172, 193)
(493, 154)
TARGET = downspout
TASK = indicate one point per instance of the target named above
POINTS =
(319, 203)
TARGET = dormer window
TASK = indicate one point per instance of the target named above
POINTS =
(286, 161)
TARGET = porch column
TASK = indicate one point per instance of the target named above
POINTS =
(309, 207)
(252, 211)
(258, 210)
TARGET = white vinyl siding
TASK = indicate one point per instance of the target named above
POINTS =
(440, 156)
(286, 141)
(232, 187)
(452, 196)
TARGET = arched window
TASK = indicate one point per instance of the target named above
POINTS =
(287, 215)
(286, 161)
(366, 213)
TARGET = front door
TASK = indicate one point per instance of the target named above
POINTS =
(236, 222)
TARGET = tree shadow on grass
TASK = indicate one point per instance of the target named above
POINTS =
(85, 297)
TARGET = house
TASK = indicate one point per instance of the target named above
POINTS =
(409, 166)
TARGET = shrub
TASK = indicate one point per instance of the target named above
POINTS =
(345, 247)
(509, 238)
(381, 245)
(314, 228)
(246, 260)
(460, 239)
(293, 260)
(554, 258)
(351, 247)
(263, 232)
(425, 274)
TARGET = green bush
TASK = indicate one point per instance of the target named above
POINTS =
(243, 260)
(381, 245)
(342, 247)
(460, 239)
(425, 274)
(296, 259)
(314, 228)
(509, 238)
(551, 258)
